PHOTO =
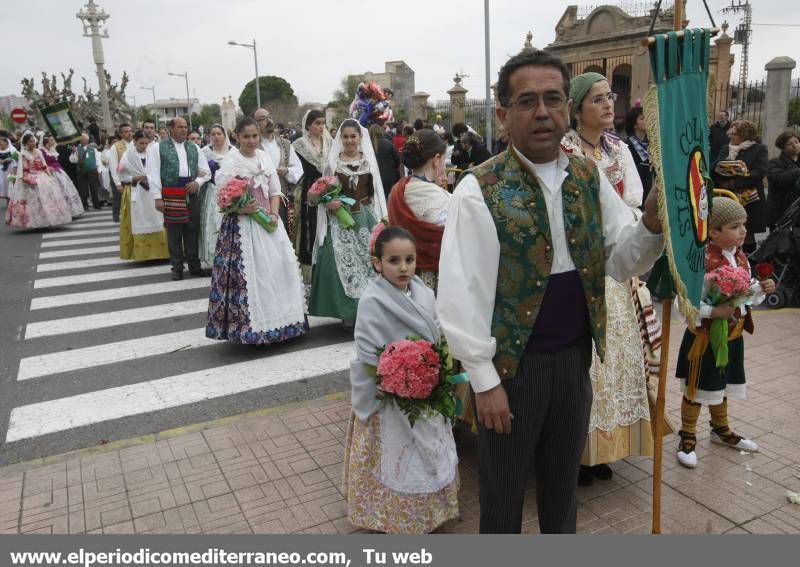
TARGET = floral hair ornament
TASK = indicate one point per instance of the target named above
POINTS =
(415, 142)
(376, 232)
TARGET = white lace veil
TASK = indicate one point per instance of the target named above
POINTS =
(305, 148)
(379, 208)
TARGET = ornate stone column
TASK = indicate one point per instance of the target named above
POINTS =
(458, 96)
(776, 105)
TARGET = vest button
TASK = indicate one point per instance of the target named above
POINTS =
(576, 193)
(547, 248)
(572, 241)
(538, 283)
(505, 371)
(593, 298)
(528, 313)
(518, 342)
(584, 270)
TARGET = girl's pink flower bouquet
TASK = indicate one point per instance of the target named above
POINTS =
(326, 189)
(234, 195)
(418, 377)
(725, 285)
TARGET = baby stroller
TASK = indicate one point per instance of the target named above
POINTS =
(782, 250)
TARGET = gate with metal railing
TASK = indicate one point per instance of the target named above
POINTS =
(742, 102)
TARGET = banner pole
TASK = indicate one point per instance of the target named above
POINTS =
(658, 442)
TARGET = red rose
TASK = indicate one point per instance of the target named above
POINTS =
(764, 270)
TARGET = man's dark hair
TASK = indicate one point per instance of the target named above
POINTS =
(148, 122)
(419, 124)
(526, 57)
(784, 138)
(123, 125)
(458, 129)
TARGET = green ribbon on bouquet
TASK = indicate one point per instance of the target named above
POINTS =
(456, 379)
(343, 213)
(260, 216)
(718, 339)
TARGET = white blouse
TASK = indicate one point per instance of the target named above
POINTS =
(427, 201)
(471, 254)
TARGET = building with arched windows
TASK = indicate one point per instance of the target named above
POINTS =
(606, 39)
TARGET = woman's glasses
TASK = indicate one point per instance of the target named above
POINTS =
(603, 98)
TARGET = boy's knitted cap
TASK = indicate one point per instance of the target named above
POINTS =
(725, 211)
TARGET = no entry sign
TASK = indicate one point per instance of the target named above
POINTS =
(19, 115)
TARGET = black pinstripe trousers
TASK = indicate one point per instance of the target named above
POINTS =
(550, 398)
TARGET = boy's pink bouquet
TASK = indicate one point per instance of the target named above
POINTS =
(326, 189)
(418, 377)
(725, 285)
(234, 195)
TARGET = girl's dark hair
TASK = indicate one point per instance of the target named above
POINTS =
(422, 146)
(387, 235)
(139, 134)
(313, 115)
(408, 130)
(27, 137)
(631, 118)
(350, 123)
(783, 139)
(458, 129)
(244, 122)
(418, 124)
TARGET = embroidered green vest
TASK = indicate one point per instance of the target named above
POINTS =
(169, 162)
(515, 201)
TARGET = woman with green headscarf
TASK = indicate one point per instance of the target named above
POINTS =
(619, 425)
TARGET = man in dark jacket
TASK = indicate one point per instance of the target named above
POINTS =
(474, 148)
(718, 134)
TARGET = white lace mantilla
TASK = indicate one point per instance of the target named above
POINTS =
(351, 252)
(620, 384)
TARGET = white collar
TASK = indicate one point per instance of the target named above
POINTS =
(561, 162)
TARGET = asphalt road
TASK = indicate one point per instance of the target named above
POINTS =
(93, 350)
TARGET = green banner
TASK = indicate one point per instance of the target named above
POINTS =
(676, 112)
(61, 122)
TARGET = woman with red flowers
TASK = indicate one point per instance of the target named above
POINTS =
(398, 478)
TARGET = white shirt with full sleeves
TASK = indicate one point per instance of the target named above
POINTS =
(471, 254)
(154, 166)
(274, 150)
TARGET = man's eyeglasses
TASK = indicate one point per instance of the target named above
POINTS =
(602, 98)
(527, 102)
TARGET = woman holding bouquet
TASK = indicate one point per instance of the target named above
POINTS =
(342, 268)
(210, 217)
(397, 478)
(257, 296)
(35, 199)
(312, 149)
(707, 378)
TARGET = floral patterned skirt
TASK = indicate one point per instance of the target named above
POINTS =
(372, 505)
(257, 295)
(37, 206)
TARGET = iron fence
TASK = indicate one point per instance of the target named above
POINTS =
(793, 120)
(742, 102)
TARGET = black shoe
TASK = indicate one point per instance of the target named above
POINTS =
(177, 275)
(201, 272)
(585, 476)
(602, 472)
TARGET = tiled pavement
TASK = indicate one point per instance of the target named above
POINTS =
(280, 471)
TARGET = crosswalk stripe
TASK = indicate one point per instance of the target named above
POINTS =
(78, 264)
(73, 233)
(89, 221)
(86, 225)
(117, 293)
(43, 283)
(79, 241)
(123, 351)
(81, 252)
(61, 414)
(113, 318)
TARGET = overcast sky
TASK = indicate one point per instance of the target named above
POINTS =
(311, 43)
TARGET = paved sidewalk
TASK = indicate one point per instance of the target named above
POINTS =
(279, 471)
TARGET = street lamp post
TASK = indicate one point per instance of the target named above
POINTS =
(185, 75)
(135, 113)
(93, 19)
(153, 90)
(489, 109)
(255, 58)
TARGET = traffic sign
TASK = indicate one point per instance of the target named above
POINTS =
(19, 115)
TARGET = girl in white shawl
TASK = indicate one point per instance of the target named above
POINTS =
(397, 479)
(211, 218)
(141, 228)
(257, 296)
(341, 256)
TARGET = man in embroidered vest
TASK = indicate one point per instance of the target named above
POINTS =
(120, 147)
(176, 169)
(88, 164)
(283, 156)
(530, 236)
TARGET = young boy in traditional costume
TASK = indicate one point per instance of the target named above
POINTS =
(705, 382)
(397, 478)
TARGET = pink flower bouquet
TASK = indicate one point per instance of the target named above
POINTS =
(326, 189)
(418, 377)
(725, 285)
(234, 195)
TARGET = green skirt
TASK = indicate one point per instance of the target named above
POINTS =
(328, 298)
